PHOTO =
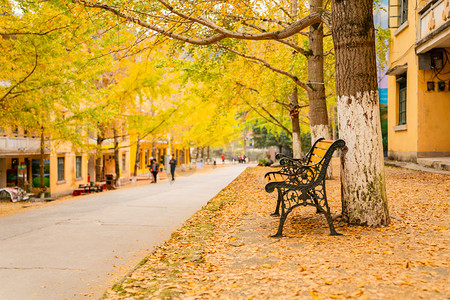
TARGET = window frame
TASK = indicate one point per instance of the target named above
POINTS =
(78, 167)
(402, 99)
(61, 168)
(403, 11)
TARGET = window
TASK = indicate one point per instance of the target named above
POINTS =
(78, 167)
(60, 168)
(124, 161)
(398, 12)
(401, 80)
(403, 11)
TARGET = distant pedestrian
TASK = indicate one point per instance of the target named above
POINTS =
(173, 164)
(149, 166)
(223, 158)
(154, 166)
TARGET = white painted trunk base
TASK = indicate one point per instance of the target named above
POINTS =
(363, 194)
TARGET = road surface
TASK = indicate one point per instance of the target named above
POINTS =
(77, 249)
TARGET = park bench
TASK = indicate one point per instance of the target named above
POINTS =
(301, 182)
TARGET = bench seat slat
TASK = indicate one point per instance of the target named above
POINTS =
(323, 145)
(319, 152)
(315, 159)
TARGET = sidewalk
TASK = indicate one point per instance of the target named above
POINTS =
(225, 251)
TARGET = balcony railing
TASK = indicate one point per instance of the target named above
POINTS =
(434, 26)
(18, 145)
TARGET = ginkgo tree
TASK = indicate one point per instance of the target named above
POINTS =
(351, 23)
(48, 86)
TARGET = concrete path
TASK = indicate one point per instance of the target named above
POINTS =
(77, 249)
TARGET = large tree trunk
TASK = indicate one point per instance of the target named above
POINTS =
(364, 199)
(318, 115)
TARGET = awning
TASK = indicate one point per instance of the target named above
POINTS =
(397, 70)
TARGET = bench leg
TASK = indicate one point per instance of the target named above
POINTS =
(283, 217)
(277, 209)
(330, 224)
(318, 208)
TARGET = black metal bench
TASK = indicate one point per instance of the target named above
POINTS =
(301, 182)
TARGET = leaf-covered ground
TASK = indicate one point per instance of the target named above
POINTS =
(225, 250)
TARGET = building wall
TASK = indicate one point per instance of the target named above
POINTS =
(426, 133)
(2, 172)
(402, 140)
(66, 186)
(434, 114)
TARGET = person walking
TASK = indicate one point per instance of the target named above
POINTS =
(154, 166)
(223, 158)
(173, 164)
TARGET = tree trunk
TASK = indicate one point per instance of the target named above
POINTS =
(153, 148)
(318, 115)
(295, 122)
(41, 167)
(138, 157)
(296, 141)
(98, 158)
(364, 199)
(116, 156)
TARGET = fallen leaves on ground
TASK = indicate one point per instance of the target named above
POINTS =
(225, 250)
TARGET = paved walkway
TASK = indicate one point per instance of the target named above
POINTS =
(414, 166)
(75, 249)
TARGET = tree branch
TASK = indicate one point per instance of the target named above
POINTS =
(286, 42)
(221, 33)
(272, 118)
(25, 78)
(269, 66)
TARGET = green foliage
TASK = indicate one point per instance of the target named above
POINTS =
(264, 138)
(383, 40)
(262, 162)
(37, 182)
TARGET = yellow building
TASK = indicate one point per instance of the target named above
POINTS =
(20, 155)
(419, 81)
(65, 168)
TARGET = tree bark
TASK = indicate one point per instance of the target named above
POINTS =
(318, 115)
(364, 199)
(295, 122)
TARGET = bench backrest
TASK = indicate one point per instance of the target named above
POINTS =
(318, 157)
(318, 151)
